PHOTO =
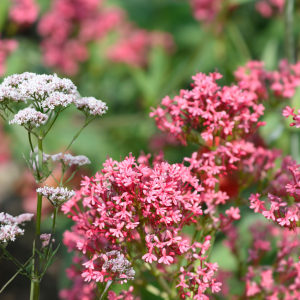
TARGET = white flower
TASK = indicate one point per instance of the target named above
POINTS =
(70, 160)
(57, 196)
(58, 99)
(9, 226)
(29, 116)
(30, 86)
(91, 105)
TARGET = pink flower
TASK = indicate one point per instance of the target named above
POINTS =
(234, 213)
(165, 258)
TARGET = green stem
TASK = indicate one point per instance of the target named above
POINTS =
(38, 214)
(8, 282)
(56, 115)
(290, 54)
(289, 38)
(40, 149)
(16, 262)
(77, 134)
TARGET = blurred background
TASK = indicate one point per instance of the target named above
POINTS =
(130, 54)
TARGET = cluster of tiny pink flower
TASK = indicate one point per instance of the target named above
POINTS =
(45, 238)
(206, 10)
(24, 12)
(216, 111)
(109, 266)
(69, 160)
(71, 24)
(201, 278)
(289, 112)
(7, 46)
(9, 226)
(131, 202)
(267, 8)
(29, 117)
(57, 196)
(256, 79)
(270, 276)
(279, 210)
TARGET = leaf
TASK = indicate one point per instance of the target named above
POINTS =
(108, 284)
(71, 177)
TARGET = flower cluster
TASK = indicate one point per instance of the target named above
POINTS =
(30, 86)
(134, 44)
(201, 279)
(58, 99)
(216, 111)
(90, 105)
(289, 112)
(134, 203)
(9, 226)
(69, 160)
(279, 211)
(109, 266)
(57, 196)
(6, 48)
(30, 118)
(267, 8)
(45, 238)
(256, 79)
(206, 10)
(24, 12)
(71, 24)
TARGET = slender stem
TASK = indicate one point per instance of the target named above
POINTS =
(77, 134)
(16, 262)
(290, 54)
(56, 115)
(30, 142)
(38, 214)
(8, 282)
(40, 149)
(289, 38)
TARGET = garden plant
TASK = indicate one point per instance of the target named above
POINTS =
(206, 204)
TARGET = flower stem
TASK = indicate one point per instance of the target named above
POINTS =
(40, 149)
(38, 214)
(289, 39)
(77, 134)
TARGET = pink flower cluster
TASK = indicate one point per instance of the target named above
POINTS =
(134, 44)
(206, 10)
(267, 8)
(289, 112)
(281, 278)
(207, 107)
(267, 275)
(131, 202)
(201, 279)
(257, 80)
(71, 24)
(279, 211)
(24, 12)
(6, 48)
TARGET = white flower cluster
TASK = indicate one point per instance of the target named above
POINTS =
(9, 226)
(30, 86)
(70, 160)
(57, 196)
(29, 116)
(57, 99)
(119, 264)
(91, 105)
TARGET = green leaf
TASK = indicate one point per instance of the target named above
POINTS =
(108, 284)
